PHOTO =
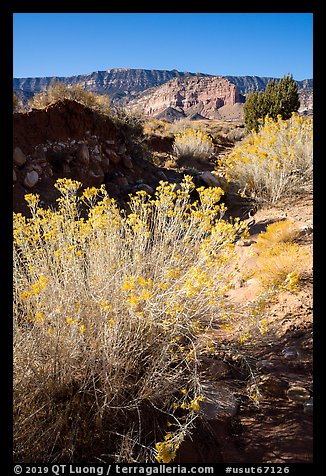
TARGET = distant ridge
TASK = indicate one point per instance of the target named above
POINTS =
(124, 84)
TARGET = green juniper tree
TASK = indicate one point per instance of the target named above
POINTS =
(279, 98)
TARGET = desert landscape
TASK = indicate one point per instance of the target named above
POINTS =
(162, 271)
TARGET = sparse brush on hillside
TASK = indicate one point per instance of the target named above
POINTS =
(182, 125)
(275, 162)
(194, 144)
(131, 126)
(107, 311)
(59, 91)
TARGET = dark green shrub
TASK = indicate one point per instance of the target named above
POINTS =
(279, 98)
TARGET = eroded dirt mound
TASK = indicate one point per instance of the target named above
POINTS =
(59, 121)
(67, 139)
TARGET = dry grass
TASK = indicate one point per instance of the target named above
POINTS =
(59, 91)
(278, 232)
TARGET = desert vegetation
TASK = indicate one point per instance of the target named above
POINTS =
(192, 143)
(107, 313)
(280, 98)
(113, 307)
(280, 261)
(274, 162)
(59, 91)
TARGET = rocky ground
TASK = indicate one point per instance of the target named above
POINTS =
(68, 140)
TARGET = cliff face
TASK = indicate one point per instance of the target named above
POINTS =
(124, 85)
(121, 84)
(191, 95)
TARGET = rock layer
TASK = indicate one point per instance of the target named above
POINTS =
(191, 95)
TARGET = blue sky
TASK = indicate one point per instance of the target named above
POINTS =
(261, 44)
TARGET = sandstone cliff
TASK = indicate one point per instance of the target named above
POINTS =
(189, 96)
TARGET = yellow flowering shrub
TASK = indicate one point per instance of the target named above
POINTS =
(192, 143)
(107, 310)
(274, 162)
(282, 265)
(278, 232)
(280, 262)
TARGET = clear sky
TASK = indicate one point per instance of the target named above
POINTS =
(237, 44)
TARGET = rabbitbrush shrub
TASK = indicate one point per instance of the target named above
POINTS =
(274, 163)
(193, 144)
(107, 313)
(280, 262)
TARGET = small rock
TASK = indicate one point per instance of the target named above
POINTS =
(290, 353)
(37, 168)
(219, 401)
(265, 365)
(243, 242)
(19, 157)
(113, 156)
(127, 162)
(298, 394)
(121, 181)
(110, 142)
(216, 368)
(273, 386)
(31, 179)
(211, 180)
(146, 188)
(83, 154)
(96, 169)
(96, 150)
(105, 164)
(14, 176)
